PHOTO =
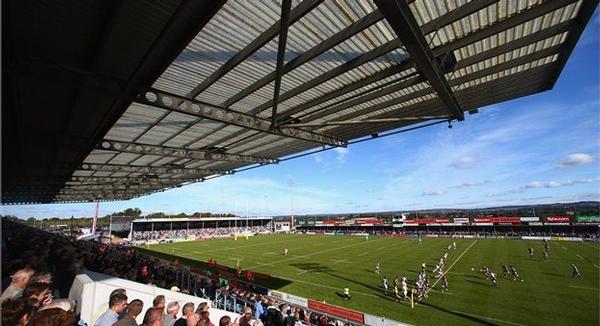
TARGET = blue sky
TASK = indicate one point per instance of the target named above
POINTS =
(538, 149)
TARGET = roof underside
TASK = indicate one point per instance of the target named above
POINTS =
(114, 101)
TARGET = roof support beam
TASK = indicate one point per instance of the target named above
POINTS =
(285, 19)
(498, 27)
(341, 36)
(494, 52)
(296, 14)
(400, 17)
(407, 63)
(195, 108)
(369, 121)
(132, 180)
(143, 149)
(149, 169)
(500, 90)
(116, 187)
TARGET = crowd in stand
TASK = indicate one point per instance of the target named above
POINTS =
(269, 310)
(39, 269)
(477, 233)
(196, 233)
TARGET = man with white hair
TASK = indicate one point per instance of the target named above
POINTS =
(19, 281)
(172, 311)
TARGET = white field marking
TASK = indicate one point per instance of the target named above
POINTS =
(264, 264)
(269, 253)
(442, 292)
(364, 253)
(589, 245)
(584, 287)
(489, 318)
(319, 252)
(337, 261)
(234, 258)
(380, 248)
(246, 246)
(305, 271)
(453, 263)
(598, 267)
(323, 286)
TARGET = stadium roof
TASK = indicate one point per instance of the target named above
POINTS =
(108, 100)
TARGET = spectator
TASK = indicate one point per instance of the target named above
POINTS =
(259, 310)
(187, 312)
(156, 316)
(64, 304)
(41, 277)
(38, 294)
(52, 317)
(193, 320)
(204, 316)
(172, 311)
(203, 306)
(273, 316)
(133, 310)
(158, 302)
(103, 307)
(16, 312)
(117, 305)
(225, 321)
(19, 280)
(246, 319)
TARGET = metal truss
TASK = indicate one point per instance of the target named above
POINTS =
(150, 169)
(199, 109)
(150, 179)
(401, 19)
(134, 148)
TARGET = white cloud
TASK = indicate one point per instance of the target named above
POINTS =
(463, 162)
(342, 152)
(534, 185)
(576, 159)
(434, 193)
(471, 184)
(318, 158)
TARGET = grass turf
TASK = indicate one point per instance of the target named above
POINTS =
(319, 266)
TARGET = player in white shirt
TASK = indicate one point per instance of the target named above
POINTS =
(377, 268)
(385, 284)
(285, 251)
(405, 290)
(454, 245)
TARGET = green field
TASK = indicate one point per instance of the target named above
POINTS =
(318, 266)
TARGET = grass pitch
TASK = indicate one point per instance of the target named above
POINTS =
(319, 266)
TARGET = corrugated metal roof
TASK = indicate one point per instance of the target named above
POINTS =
(340, 85)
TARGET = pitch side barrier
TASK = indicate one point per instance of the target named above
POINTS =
(348, 316)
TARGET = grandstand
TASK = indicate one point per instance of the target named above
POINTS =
(114, 100)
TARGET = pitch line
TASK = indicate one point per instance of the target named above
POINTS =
(591, 246)
(584, 287)
(364, 253)
(449, 268)
(323, 286)
(580, 257)
(306, 271)
(317, 253)
(489, 318)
